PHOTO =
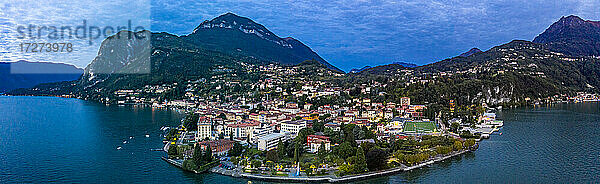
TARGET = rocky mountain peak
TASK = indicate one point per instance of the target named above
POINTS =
(572, 35)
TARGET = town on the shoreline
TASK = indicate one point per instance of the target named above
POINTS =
(301, 123)
(307, 122)
(313, 129)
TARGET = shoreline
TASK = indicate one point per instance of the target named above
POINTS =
(343, 179)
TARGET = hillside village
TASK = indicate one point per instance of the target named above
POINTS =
(298, 116)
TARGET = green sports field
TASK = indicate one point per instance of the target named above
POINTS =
(419, 126)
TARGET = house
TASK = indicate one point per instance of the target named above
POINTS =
(456, 120)
(241, 130)
(218, 147)
(333, 126)
(315, 141)
(364, 141)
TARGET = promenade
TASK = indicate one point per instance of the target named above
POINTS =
(334, 179)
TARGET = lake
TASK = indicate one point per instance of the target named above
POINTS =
(48, 139)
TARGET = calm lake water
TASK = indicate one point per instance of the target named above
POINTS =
(45, 139)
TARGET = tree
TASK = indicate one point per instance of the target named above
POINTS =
(322, 152)
(454, 127)
(328, 132)
(457, 145)
(272, 155)
(255, 163)
(367, 146)
(189, 165)
(344, 150)
(318, 126)
(296, 154)
(469, 143)
(172, 150)
(208, 154)
(191, 121)
(376, 159)
(443, 149)
(360, 165)
(281, 152)
(197, 156)
(368, 133)
(291, 149)
(236, 150)
(235, 160)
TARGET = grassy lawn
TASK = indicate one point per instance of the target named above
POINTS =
(424, 126)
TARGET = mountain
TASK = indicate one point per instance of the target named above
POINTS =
(573, 36)
(405, 64)
(359, 70)
(133, 60)
(508, 73)
(24, 74)
(470, 52)
(233, 34)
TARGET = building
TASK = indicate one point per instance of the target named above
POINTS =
(219, 147)
(293, 126)
(315, 141)
(405, 101)
(204, 130)
(241, 130)
(259, 132)
(333, 126)
(359, 142)
(269, 142)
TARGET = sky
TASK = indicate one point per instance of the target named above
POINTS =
(348, 34)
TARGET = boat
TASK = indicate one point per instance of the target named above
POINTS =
(130, 137)
(124, 142)
(147, 135)
(118, 148)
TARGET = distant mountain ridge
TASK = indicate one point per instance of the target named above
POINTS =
(470, 52)
(24, 74)
(359, 70)
(405, 64)
(573, 36)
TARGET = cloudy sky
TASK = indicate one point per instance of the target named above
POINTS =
(348, 34)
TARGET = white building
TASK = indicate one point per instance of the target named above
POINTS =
(315, 141)
(293, 126)
(241, 130)
(257, 133)
(204, 130)
(269, 142)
